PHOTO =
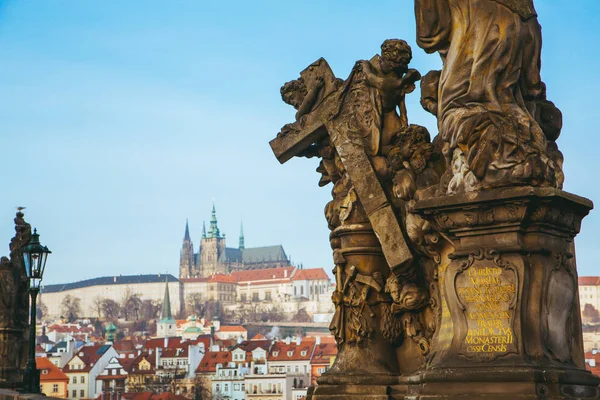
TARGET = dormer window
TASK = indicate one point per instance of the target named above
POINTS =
(275, 353)
(303, 353)
(290, 353)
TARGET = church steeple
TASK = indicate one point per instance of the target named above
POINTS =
(166, 306)
(214, 229)
(186, 236)
(166, 327)
(203, 230)
(241, 245)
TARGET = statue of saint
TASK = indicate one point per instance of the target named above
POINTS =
(489, 89)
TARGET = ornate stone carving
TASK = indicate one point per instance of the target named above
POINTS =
(452, 255)
(496, 124)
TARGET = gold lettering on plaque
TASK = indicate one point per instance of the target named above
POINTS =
(487, 294)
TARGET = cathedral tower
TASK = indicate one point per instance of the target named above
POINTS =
(186, 257)
(213, 249)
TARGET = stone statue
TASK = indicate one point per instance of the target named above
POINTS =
(454, 258)
(497, 126)
(14, 308)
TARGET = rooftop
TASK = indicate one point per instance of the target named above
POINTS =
(109, 280)
(48, 371)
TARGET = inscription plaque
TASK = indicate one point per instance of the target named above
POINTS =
(486, 288)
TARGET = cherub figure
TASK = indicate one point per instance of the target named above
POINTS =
(390, 76)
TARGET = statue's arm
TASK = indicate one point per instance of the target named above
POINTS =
(434, 24)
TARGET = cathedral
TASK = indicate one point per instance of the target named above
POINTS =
(214, 257)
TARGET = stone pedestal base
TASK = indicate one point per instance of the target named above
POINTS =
(508, 323)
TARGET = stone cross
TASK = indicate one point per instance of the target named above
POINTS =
(317, 125)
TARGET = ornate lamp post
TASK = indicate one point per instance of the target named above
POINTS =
(34, 259)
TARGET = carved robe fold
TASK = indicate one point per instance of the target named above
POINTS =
(491, 54)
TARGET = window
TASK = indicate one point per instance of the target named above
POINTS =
(55, 388)
(301, 290)
(74, 394)
(74, 380)
(82, 393)
(268, 296)
(295, 291)
(255, 296)
(218, 387)
(243, 297)
(82, 379)
(226, 387)
(243, 387)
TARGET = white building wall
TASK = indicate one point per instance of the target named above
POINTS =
(147, 291)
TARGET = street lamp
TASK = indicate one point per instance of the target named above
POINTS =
(34, 260)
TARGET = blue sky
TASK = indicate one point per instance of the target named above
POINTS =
(120, 119)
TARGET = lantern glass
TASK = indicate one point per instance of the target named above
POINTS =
(34, 258)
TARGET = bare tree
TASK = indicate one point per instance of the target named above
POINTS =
(97, 305)
(149, 309)
(70, 307)
(41, 310)
(131, 305)
(110, 309)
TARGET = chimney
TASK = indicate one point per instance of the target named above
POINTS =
(68, 345)
(166, 343)
(318, 342)
(158, 351)
(285, 273)
(288, 340)
(298, 340)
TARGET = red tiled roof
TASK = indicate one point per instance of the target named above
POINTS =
(323, 353)
(191, 280)
(152, 396)
(134, 367)
(279, 351)
(589, 280)
(175, 353)
(89, 355)
(263, 274)
(211, 359)
(232, 328)
(52, 372)
(222, 279)
(251, 345)
(176, 342)
(258, 336)
(124, 346)
(310, 274)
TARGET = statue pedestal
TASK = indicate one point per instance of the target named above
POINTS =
(509, 324)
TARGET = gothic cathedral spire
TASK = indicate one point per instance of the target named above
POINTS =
(214, 229)
(186, 256)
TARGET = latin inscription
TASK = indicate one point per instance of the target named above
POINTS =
(487, 294)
